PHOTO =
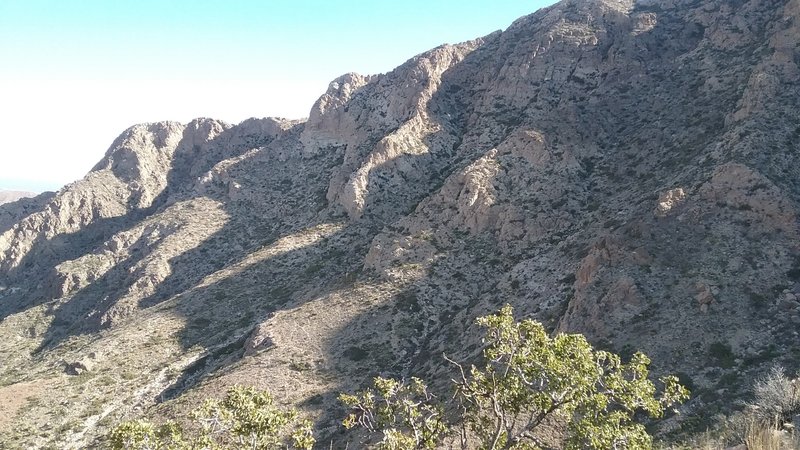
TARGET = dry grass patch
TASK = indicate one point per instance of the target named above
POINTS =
(15, 396)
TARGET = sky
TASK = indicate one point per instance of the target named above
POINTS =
(74, 74)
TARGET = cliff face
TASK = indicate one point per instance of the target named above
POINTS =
(627, 170)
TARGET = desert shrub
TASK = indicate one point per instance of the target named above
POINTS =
(406, 415)
(528, 380)
(755, 433)
(762, 424)
(245, 418)
(722, 354)
(761, 437)
(776, 397)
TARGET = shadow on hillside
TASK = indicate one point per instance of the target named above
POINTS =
(363, 348)
(82, 311)
(40, 262)
(11, 213)
(294, 200)
(317, 270)
(406, 335)
(253, 224)
(220, 315)
(221, 309)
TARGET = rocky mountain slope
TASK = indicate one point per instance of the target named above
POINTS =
(627, 170)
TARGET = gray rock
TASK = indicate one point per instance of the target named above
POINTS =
(79, 367)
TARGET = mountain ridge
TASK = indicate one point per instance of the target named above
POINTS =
(621, 169)
(8, 196)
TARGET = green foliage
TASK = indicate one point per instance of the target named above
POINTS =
(529, 380)
(406, 415)
(722, 354)
(139, 434)
(530, 377)
(245, 418)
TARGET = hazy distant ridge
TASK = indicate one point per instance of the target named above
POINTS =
(12, 196)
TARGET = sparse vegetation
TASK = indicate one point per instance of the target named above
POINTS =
(246, 418)
(777, 398)
(764, 424)
(529, 380)
(528, 166)
(405, 415)
(722, 354)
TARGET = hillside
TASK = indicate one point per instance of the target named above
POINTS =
(627, 170)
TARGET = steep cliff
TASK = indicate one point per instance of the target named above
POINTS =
(627, 170)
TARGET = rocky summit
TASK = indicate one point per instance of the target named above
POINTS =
(628, 170)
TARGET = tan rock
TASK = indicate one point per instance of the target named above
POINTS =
(669, 200)
(260, 339)
(704, 295)
(744, 189)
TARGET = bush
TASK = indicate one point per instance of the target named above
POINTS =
(722, 354)
(246, 418)
(762, 425)
(528, 381)
(777, 398)
(406, 415)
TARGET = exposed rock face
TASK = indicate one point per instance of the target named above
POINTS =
(669, 200)
(627, 170)
(79, 367)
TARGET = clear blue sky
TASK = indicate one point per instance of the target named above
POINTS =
(74, 73)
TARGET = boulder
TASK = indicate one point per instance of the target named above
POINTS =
(79, 367)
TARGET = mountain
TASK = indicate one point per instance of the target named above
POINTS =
(626, 170)
(12, 196)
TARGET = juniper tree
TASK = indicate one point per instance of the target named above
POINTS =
(527, 379)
